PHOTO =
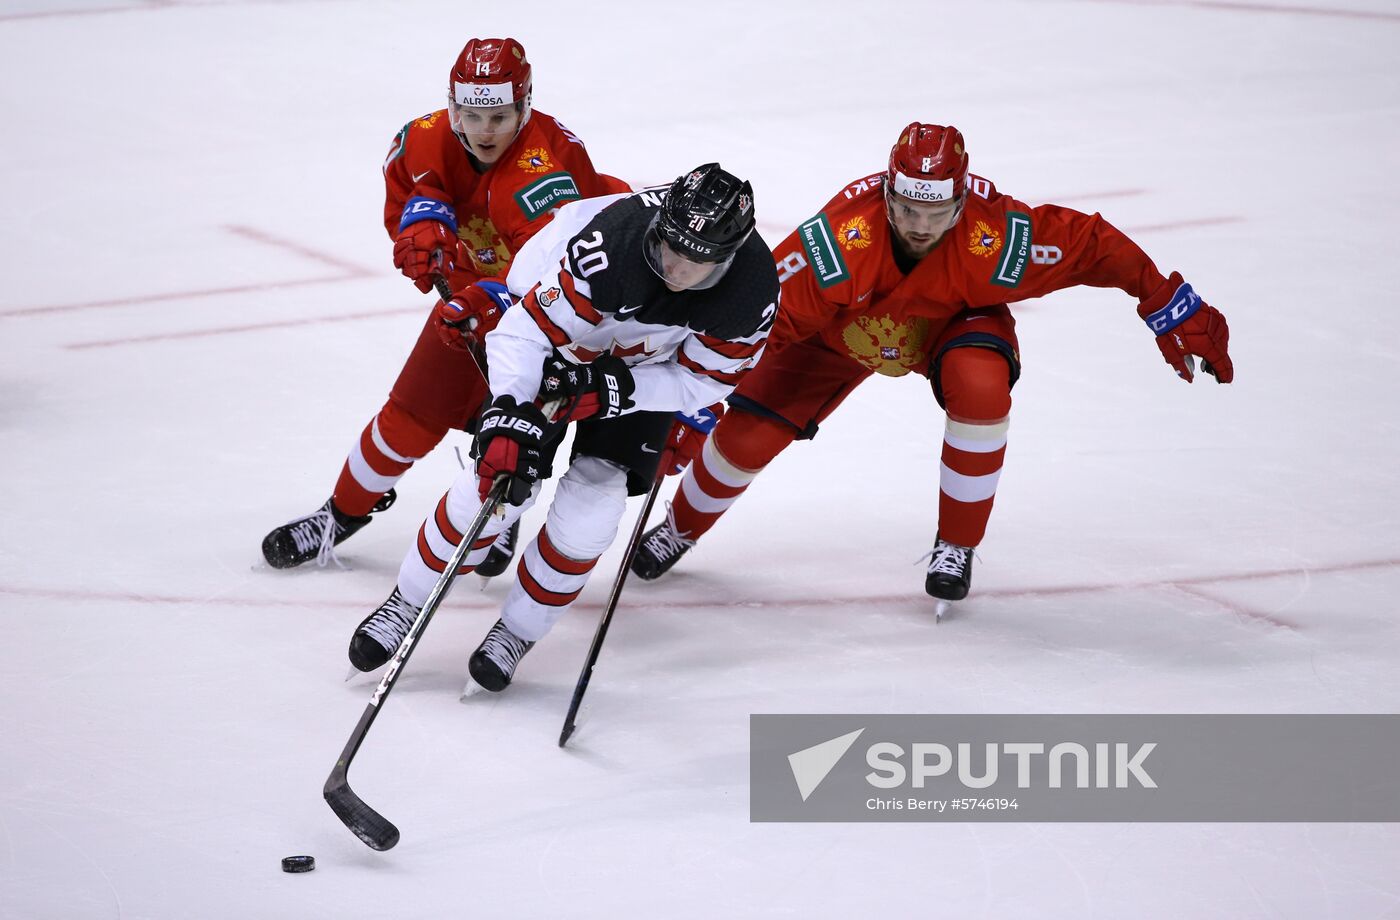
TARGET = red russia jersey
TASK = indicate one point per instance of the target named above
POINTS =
(498, 210)
(840, 281)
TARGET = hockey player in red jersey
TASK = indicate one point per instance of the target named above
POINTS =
(466, 187)
(909, 271)
(643, 306)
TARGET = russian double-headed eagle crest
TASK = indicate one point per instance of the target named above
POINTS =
(885, 346)
(489, 251)
(535, 160)
(854, 234)
(982, 240)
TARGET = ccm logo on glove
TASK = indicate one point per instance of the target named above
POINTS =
(1183, 303)
(420, 208)
(1187, 327)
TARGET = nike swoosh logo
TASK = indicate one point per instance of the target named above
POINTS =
(419, 176)
(648, 450)
(863, 296)
(624, 311)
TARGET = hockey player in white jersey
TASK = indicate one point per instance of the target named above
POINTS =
(632, 308)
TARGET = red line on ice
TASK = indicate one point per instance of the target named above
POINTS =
(1095, 196)
(252, 233)
(1233, 7)
(1182, 224)
(1238, 609)
(59, 14)
(174, 295)
(1184, 584)
(146, 6)
(349, 271)
(251, 327)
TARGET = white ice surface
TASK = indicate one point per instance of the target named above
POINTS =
(198, 313)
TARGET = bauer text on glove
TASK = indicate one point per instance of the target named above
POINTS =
(510, 442)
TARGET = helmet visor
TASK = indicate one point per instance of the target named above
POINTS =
(677, 271)
(484, 121)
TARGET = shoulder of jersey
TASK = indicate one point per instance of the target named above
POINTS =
(547, 126)
(751, 288)
(615, 232)
(419, 136)
(536, 171)
(994, 236)
(433, 125)
(843, 234)
(625, 220)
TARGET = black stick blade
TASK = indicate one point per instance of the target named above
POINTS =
(364, 822)
(571, 720)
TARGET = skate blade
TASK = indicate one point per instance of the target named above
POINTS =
(470, 689)
(355, 672)
(941, 610)
(485, 580)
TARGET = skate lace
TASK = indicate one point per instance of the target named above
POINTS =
(392, 621)
(317, 532)
(504, 648)
(947, 559)
(667, 541)
(503, 542)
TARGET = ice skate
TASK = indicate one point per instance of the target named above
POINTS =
(662, 547)
(949, 575)
(493, 663)
(381, 633)
(499, 557)
(316, 535)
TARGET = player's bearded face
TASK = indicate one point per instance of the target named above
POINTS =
(487, 132)
(919, 225)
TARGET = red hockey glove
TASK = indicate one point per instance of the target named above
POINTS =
(603, 388)
(471, 313)
(427, 243)
(510, 442)
(688, 435)
(1186, 325)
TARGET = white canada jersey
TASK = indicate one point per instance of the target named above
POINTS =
(586, 290)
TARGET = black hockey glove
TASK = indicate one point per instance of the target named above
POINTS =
(510, 442)
(603, 388)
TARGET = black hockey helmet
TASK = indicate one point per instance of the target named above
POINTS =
(706, 216)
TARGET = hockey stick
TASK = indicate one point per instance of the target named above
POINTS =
(570, 721)
(377, 831)
(369, 825)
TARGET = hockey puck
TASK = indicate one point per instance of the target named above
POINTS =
(298, 863)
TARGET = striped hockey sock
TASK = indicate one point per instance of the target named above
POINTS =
(710, 485)
(973, 451)
(439, 536)
(390, 444)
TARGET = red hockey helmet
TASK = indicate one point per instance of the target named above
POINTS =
(489, 72)
(928, 163)
(925, 185)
